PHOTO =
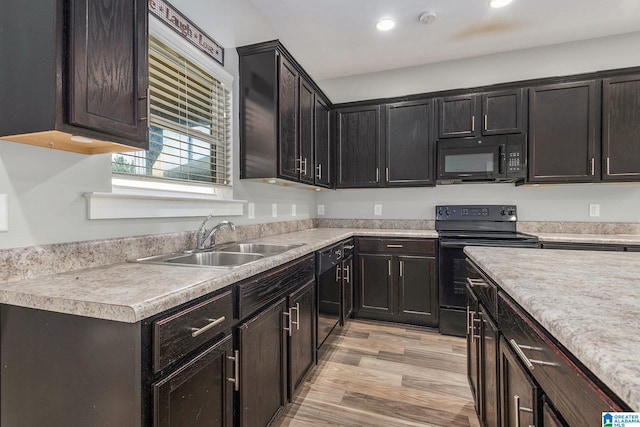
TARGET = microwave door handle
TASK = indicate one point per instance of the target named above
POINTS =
(502, 163)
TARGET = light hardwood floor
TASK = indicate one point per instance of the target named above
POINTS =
(377, 374)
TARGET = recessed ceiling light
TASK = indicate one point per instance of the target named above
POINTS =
(499, 3)
(385, 24)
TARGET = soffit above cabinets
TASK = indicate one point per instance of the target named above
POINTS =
(337, 38)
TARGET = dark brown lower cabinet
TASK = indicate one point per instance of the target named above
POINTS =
(262, 346)
(302, 336)
(489, 367)
(397, 281)
(519, 394)
(347, 289)
(473, 346)
(550, 418)
(198, 394)
(376, 292)
(519, 375)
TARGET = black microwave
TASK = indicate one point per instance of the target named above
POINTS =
(499, 158)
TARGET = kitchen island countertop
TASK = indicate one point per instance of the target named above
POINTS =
(589, 301)
(131, 292)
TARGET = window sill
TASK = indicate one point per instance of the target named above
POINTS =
(127, 205)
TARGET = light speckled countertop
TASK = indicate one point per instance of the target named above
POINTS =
(130, 292)
(617, 239)
(589, 301)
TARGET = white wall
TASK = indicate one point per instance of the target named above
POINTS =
(557, 60)
(619, 202)
(45, 187)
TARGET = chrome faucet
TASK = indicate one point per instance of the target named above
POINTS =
(202, 235)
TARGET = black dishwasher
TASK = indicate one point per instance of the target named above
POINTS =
(328, 278)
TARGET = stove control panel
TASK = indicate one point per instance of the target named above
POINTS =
(500, 213)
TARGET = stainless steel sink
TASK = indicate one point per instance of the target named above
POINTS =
(266, 249)
(224, 256)
(216, 259)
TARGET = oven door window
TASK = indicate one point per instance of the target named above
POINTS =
(469, 163)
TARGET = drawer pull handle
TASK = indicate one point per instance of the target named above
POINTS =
(529, 362)
(477, 283)
(297, 321)
(213, 324)
(236, 370)
(394, 246)
(348, 247)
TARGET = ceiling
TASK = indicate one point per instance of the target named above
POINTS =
(338, 38)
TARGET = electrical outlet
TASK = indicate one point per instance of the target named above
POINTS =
(274, 210)
(293, 209)
(377, 209)
(594, 210)
(251, 210)
(320, 209)
(4, 213)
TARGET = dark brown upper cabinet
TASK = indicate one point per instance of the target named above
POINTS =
(409, 143)
(307, 132)
(564, 127)
(502, 112)
(288, 153)
(278, 124)
(457, 116)
(621, 128)
(491, 113)
(322, 154)
(81, 70)
(359, 147)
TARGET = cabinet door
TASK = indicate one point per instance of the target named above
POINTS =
(322, 170)
(473, 347)
(621, 128)
(107, 68)
(409, 143)
(518, 393)
(376, 284)
(563, 125)
(347, 289)
(502, 112)
(262, 357)
(550, 418)
(457, 116)
(307, 131)
(418, 290)
(302, 339)
(488, 364)
(289, 161)
(359, 147)
(199, 393)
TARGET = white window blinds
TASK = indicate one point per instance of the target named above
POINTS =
(189, 123)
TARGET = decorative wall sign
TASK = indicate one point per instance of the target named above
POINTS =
(190, 31)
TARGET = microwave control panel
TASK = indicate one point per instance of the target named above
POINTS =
(515, 160)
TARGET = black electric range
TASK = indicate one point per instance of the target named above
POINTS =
(469, 225)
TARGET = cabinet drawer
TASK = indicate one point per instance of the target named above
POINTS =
(484, 289)
(177, 335)
(578, 399)
(404, 246)
(256, 293)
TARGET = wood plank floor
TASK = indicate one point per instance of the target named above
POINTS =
(377, 374)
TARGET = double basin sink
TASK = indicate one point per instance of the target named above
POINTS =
(224, 256)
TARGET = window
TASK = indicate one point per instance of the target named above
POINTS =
(189, 123)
